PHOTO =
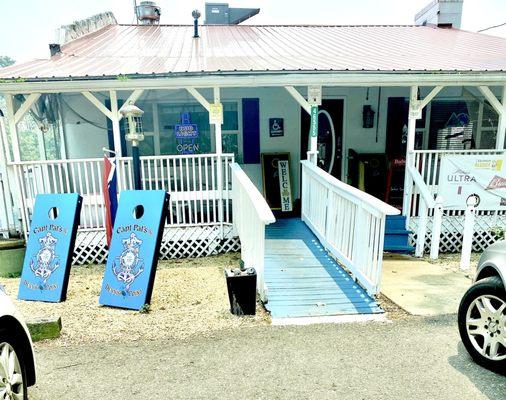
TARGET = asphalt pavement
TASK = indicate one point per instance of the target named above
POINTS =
(418, 358)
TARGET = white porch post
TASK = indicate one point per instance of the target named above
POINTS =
(414, 109)
(500, 107)
(219, 152)
(501, 127)
(12, 128)
(116, 131)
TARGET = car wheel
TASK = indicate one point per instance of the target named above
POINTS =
(12, 369)
(482, 323)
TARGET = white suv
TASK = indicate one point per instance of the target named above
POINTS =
(17, 367)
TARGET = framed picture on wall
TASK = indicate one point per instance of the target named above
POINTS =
(271, 180)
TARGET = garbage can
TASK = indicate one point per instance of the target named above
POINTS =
(241, 285)
(12, 254)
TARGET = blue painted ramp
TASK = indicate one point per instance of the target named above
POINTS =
(303, 280)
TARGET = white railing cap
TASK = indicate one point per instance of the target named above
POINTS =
(259, 203)
(351, 191)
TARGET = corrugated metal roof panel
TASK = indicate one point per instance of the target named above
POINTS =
(132, 49)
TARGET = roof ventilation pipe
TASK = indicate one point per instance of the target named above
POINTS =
(147, 12)
(196, 16)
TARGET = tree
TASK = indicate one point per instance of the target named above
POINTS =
(5, 61)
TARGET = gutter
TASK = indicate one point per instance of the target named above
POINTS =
(253, 79)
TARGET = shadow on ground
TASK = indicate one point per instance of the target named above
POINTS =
(477, 375)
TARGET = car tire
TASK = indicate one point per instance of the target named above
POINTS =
(483, 331)
(8, 345)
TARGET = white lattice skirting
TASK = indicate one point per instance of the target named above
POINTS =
(485, 232)
(177, 242)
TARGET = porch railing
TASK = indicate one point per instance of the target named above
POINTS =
(191, 180)
(251, 215)
(348, 222)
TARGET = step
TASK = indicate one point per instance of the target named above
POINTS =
(398, 232)
(399, 249)
(395, 240)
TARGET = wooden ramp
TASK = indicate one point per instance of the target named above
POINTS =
(304, 281)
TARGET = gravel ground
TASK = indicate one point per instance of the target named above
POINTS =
(189, 298)
(413, 359)
(452, 262)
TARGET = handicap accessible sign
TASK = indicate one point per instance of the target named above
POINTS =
(50, 246)
(131, 265)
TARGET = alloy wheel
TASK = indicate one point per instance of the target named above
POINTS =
(11, 377)
(486, 326)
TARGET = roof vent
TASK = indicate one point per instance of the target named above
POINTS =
(222, 14)
(441, 13)
(147, 13)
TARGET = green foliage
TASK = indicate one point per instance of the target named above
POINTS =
(122, 78)
(5, 61)
(145, 309)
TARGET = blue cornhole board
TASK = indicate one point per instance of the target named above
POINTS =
(50, 246)
(133, 254)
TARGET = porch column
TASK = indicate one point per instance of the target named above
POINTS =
(414, 112)
(218, 121)
(116, 131)
(500, 108)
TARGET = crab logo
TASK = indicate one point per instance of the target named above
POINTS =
(128, 266)
(45, 261)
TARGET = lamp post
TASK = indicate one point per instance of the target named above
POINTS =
(133, 122)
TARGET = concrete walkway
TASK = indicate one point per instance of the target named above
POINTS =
(414, 359)
(422, 288)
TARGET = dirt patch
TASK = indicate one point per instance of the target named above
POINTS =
(189, 298)
(452, 262)
(392, 310)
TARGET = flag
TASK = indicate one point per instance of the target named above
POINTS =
(110, 195)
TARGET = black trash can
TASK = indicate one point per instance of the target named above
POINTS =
(242, 290)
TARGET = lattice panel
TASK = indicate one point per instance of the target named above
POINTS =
(177, 242)
(452, 229)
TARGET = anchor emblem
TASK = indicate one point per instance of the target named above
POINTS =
(128, 266)
(45, 262)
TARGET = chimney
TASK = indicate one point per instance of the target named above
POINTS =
(54, 48)
(441, 13)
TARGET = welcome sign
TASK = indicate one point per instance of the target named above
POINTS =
(464, 175)
(131, 265)
(50, 245)
(285, 189)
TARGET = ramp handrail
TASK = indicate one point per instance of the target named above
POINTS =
(349, 223)
(251, 214)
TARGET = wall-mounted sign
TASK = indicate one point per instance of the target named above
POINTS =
(186, 134)
(314, 95)
(464, 175)
(133, 255)
(50, 246)
(271, 179)
(216, 113)
(285, 189)
(415, 111)
(276, 127)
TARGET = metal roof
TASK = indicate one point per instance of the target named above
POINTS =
(167, 49)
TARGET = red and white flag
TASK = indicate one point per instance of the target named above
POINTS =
(110, 195)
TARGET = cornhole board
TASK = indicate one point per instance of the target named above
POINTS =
(51, 240)
(131, 265)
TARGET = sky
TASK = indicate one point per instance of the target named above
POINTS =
(28, 27)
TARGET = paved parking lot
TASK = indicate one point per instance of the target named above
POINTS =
(417, 358)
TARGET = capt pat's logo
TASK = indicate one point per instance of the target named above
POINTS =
(128, 266)
(45, 261)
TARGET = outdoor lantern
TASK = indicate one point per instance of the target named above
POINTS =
(368, 116)
(133, 124)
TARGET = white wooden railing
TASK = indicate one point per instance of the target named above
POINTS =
(251, 215)
(191, 180)
(348, 222)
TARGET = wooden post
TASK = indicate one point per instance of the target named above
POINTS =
(219, 152)
(422, 228)
(410, 147)
(501, 126)
(116, 131)
(436, 228)
(467, 240)
(12, 128)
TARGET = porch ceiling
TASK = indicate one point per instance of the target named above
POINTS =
(147, 51)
